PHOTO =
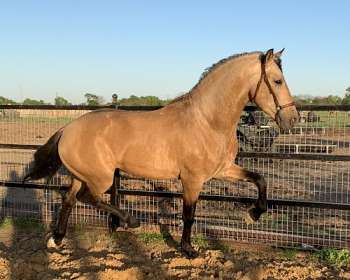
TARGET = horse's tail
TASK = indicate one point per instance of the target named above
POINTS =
(46, 159)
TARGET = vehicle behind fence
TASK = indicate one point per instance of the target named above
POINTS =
(307, 170)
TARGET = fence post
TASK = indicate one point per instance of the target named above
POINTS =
(114, 221)
(115, 100)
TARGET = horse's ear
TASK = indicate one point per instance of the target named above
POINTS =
(269, 55)
(279, 54)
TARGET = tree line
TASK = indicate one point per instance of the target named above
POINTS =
(133, 100)
(94, 100)
(325, 100)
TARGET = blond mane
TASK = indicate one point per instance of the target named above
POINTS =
(209, 70)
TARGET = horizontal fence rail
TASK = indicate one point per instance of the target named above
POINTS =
(240, 154)
(307, 170)
(164, 194)
(247, 108)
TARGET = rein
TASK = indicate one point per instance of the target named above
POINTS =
(267, 82)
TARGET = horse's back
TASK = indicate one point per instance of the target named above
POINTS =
(141, 143)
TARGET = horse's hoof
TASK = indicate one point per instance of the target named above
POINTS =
(188, 251)
(253, 215)
(52, 242)
(133, 222)
(248, 219)
(113, 223)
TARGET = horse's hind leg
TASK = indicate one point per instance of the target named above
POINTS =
(86, 196)
(234, 173)
(68, 203)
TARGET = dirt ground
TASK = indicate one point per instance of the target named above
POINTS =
(97, 255)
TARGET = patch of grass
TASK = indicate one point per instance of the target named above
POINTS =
(289, 254)
(114, 235)
(200, 241)
(274, 221)
(120, 236)
(22, 223)
(94, 236)
(222, 247)
(150, 237)
(326, 120)
(6, 222)
(29, 224)
(80, 228)
(334, 257)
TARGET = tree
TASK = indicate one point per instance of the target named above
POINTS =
(333, 100)
(60, 101)
(319, 100)
(149, 100)
(346, 99)
(93, 100)
(6, 101)
(303, 99)
(29, 101)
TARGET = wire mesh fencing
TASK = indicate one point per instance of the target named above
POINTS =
(263, 148)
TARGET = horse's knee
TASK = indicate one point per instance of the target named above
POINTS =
(69, 201)
(84, 195)
(71, 196)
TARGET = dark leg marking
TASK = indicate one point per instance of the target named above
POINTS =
(260, 206)
(188, 220)
(61, 226)
(85, 196)
(113, 220)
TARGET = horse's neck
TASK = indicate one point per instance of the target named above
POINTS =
(220, 98)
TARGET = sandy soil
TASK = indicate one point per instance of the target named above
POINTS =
(90, 255)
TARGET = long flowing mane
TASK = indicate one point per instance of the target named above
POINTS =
(207, 71)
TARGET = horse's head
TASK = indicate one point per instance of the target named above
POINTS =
(270, 92)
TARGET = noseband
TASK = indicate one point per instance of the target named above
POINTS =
(267, 82)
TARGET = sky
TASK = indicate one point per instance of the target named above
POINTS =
(68, 48)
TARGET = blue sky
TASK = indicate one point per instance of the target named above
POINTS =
(161, 47)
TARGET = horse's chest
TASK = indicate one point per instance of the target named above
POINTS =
(212, 156)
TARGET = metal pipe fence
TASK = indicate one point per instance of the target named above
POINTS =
(307, 170)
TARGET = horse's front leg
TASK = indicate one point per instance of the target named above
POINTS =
(191, 191)
(234, 173)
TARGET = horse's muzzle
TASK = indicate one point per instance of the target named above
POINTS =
(287, 118)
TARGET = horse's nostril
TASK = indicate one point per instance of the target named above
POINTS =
(293, 121)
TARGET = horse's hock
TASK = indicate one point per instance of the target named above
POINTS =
(307, 171)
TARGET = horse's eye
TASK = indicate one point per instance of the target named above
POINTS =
(278, 82)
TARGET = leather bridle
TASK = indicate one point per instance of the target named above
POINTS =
(267, 82)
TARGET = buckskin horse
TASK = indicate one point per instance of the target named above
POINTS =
(193, 139)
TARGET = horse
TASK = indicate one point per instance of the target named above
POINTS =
(192, 139)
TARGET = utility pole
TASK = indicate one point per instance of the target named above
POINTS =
(115, 100)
